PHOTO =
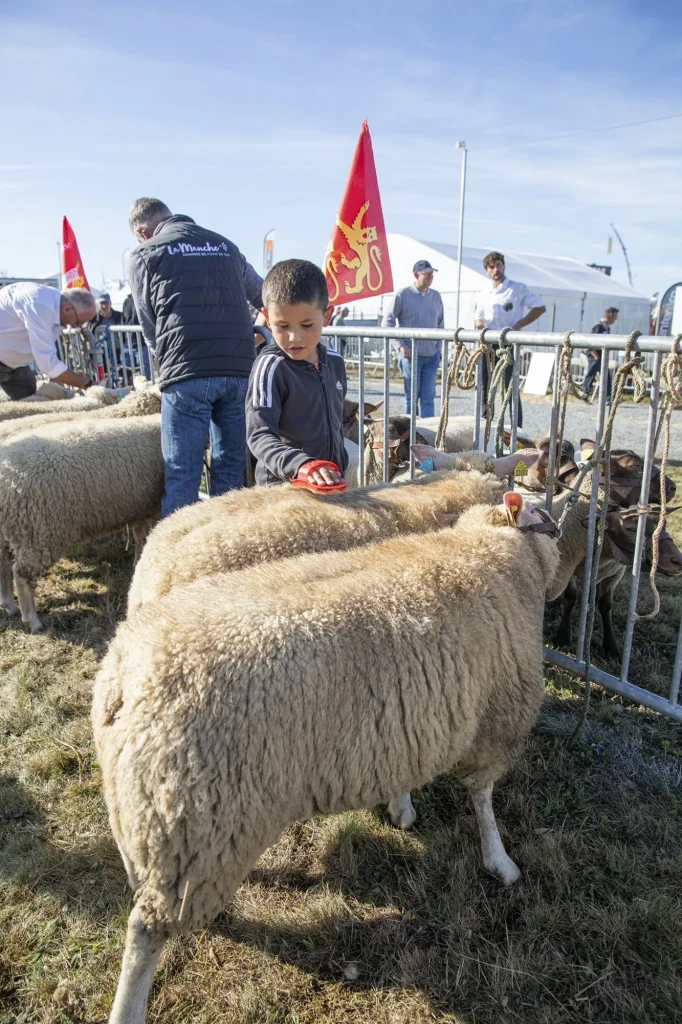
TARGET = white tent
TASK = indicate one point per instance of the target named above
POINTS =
(575, 295)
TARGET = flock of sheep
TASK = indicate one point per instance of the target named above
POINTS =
(252, 682)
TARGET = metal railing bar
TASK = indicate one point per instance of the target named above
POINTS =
(641, 524)
(624, 689)
(590, 552)
(414, 366)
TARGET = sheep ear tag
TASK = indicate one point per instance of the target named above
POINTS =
(513, 503)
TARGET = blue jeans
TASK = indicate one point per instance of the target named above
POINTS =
(190, 410)
(427, 367)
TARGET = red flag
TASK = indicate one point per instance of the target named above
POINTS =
(73, 275)
(356, 263)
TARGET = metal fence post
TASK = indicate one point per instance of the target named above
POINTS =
(361, 411)
(387, 398)
(643, 500)
(414, 366)
(592, 526)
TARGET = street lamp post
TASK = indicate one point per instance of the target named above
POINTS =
(462, 146)
(444, 361)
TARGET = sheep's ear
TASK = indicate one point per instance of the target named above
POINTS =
(422, 451)
(611, 519)
(586, 448)
(445, 518)
(506, 464)
(369, 409)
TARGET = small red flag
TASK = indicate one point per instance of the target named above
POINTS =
(356, 263)
(73, 275)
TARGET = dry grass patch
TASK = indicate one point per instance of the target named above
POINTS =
(346, 919)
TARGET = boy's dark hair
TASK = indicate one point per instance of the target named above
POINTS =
(611, 311)
(491, 258)
(293, 281)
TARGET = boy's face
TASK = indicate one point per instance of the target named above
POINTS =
(298, 328)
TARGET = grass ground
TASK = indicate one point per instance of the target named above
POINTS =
(345, 919)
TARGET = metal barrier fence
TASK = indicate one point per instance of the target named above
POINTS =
(382, 339)
(112, 355)
(108, 361)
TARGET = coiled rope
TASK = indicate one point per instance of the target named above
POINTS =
(671, 375)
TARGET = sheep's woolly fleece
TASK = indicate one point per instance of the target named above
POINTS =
(239, 704)
(243, 528)
(94, 399)
(67, 483)
(137, 403)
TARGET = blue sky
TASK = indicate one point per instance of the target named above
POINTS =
(246, 119)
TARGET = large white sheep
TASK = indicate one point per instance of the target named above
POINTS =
(93, 399)
(137, 403)
(242, 528)
(66, 484)
(242, 703)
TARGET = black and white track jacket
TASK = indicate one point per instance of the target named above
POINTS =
(295, 413)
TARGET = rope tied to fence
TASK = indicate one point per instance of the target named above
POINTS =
(671, 374)
(452, 377)
(602, 456)
(506, 392)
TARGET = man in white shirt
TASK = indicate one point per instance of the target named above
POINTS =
(31, 319)
(503, 305)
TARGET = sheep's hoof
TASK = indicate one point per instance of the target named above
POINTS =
(563, 638)
(612, 651)
(34, 624)
(402, 813)
(505, 869)
(10, 607)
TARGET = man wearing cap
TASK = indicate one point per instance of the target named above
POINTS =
(503, 304)
(419, 305)
(107, 316)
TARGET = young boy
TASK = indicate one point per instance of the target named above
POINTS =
(294, 404)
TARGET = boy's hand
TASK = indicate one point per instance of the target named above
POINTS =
(319, 475)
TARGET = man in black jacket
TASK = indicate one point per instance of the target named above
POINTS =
(594, 354)
(191, 289)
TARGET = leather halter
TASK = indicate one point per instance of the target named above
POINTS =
(547, 525)
(393, 446)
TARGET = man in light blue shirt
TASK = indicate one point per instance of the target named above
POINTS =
(419, 305)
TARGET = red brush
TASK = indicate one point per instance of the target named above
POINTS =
(304, 478)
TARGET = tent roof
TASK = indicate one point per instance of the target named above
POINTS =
(542, 273)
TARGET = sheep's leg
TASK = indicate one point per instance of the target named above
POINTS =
(6, 596)
(27, 606)
(133, 880)
(140, 957)
(401, 811)
(494, 854)
(140, 531)
(605, 604)
(564, 634)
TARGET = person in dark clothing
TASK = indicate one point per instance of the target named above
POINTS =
(294, 408)
(106, 316)
(129, 316)
(594, 354)
(129, 313)
(191, 288)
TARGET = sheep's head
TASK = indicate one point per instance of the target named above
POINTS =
(351, 416)
(537, 474)
(621, 525)
(627, 473)
(526, 517)
(398, 440)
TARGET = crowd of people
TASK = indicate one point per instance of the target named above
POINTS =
(193, 293)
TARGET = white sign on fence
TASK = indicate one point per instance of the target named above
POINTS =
(539, 373)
